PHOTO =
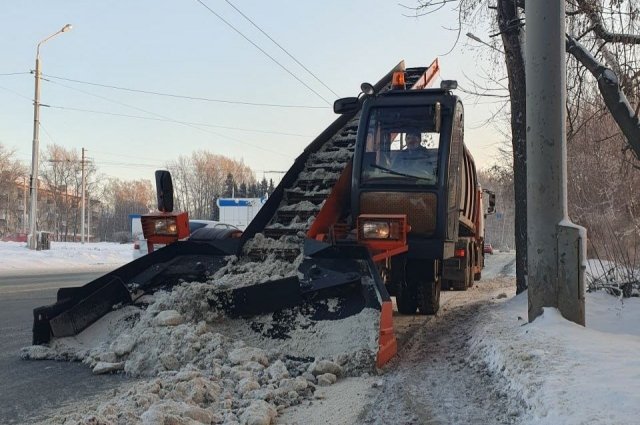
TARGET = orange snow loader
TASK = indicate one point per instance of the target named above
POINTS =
(383, 202)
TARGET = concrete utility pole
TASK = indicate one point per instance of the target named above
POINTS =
(82, 209)
(24, 207)
(35, 149)
(557, 247)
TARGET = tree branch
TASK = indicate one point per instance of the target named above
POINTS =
(592, 12)
(613, 96)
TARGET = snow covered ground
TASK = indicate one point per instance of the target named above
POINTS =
(16, 258)
(478, 361)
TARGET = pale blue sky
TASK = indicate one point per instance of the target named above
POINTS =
(179, 47)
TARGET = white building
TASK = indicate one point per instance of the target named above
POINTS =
(239, 211)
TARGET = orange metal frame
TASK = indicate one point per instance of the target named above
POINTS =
(429, 76)
(148, 228)
(387, 343)
(333, 207)
(381, 249)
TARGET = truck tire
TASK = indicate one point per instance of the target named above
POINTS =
(477, 276)
(406, 294)
(406, 298)
(429, 297)
(424, 277)
(471, 277)
(459, 285)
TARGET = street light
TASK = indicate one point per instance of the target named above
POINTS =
(479, 40)
(35, 153)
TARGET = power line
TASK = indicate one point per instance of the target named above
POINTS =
(265, 53)
(14, 73)
(171, 120)
(128, 156)
(68, 108)
(281, 48)
(178, 96)
(16, 93)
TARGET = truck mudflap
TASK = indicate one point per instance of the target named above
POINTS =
(77, 308)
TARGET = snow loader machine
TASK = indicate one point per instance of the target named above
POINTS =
(363, 215)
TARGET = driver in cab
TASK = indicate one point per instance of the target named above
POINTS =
(413, 149)
(415, 159)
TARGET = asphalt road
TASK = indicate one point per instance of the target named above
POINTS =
(28, 389)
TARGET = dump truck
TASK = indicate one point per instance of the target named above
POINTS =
(359, 214)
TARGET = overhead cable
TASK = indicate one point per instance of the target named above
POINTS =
(172, 120)
(69, 108)
(281, 48)
(204, 99)
(262, 50)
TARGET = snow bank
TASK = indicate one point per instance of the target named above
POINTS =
(563, 372)
(207, 368)
(17, 258)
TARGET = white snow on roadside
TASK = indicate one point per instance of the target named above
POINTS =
(63, 256)
(205, 368)
(198, 364)
(566, 373)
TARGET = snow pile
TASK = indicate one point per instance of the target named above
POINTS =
(318, 175)
(565, 373)
(260, 242)
(16, 257)
(208, 368)
(301, 206)
(201, 366)
(342, 154)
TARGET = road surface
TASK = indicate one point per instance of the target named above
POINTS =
(30, 388)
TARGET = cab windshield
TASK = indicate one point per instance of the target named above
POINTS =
(402, 146)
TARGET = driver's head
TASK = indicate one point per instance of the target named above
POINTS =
(413, 140)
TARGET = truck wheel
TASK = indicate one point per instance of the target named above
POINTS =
(425, 278)
(459, 285)
(471, 278)
(429, 297)
(406, 298)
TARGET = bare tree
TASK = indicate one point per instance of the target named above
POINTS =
(118, 200)
(12, 173)
(608, 65)
(61, 173)
(200, 178)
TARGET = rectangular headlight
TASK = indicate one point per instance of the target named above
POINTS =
(166, 227)
(376, 230)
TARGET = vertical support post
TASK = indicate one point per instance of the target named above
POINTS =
(35, 157)
(24, 207)
(82, 211)
(555, 245)
(88, 218)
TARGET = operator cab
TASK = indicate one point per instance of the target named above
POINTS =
(402, 146)
(407, 160)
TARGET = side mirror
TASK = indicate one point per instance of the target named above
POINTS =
(346, 105)
(491, 208)
(164, 191)
(448, 84)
